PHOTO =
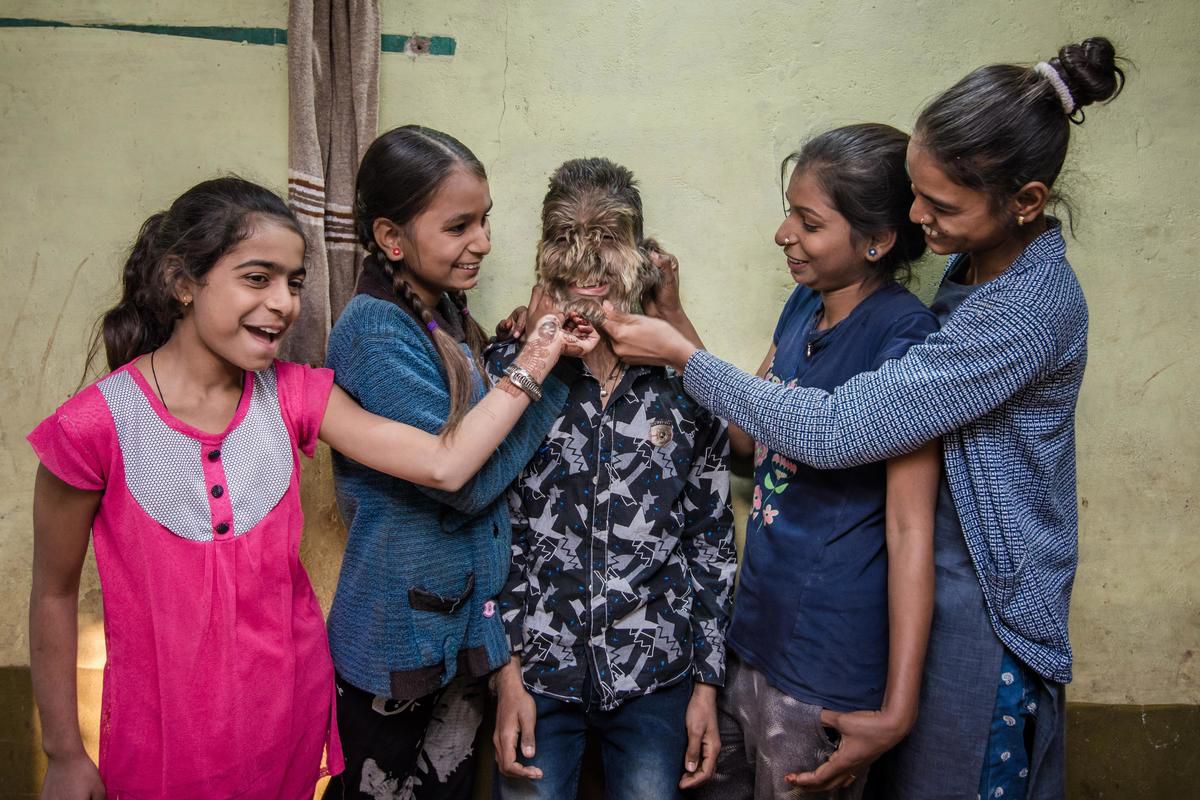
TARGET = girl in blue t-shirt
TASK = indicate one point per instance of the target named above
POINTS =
(836, 588)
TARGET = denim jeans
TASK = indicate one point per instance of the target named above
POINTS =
(642, 743)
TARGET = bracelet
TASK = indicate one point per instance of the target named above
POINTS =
(521, 378)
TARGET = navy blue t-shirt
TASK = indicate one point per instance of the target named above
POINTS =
(811, 609)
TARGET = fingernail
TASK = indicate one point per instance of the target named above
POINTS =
(528, 751)
(691, 766)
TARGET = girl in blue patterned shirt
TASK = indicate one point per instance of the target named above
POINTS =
(999, 382)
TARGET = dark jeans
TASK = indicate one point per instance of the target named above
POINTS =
(642, 744)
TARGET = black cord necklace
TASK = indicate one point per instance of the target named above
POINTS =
(154, 374)
(162, 397)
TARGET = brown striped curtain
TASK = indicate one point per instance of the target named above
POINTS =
(333, 112)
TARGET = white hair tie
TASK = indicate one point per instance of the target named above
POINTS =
(1060, 86)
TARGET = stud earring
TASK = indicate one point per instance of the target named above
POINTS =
(872, 252)
(187, 301)
(396, 252)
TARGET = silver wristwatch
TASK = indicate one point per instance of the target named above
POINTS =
(524, 381)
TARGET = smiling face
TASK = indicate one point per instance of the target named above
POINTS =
(955, 218)
(250, 297)
(821, 249)
(445, 244)
(591, 248)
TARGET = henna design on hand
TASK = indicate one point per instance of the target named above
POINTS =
(535, 356)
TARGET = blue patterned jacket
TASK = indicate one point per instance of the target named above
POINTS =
(414, 603)
(999, 382)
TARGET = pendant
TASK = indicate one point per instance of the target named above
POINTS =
(603, 392)
(808, 350)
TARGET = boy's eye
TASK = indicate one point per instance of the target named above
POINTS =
(296, 285)
(258, 279)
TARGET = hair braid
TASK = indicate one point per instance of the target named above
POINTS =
(476, 337)
(458, 370)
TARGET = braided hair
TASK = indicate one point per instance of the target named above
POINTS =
(397, 180)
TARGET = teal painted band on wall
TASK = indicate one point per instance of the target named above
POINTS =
(388, 42)
(432, 45)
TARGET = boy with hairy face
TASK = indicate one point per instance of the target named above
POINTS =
(623, 561)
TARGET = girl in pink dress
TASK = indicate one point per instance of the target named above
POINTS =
(183, 464)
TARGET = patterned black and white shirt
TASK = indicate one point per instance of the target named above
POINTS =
(623, 556)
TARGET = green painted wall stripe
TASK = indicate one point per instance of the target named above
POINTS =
(389, 42)
(437, 45)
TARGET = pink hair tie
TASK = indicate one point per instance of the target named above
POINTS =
(432, 325)
(466, 312)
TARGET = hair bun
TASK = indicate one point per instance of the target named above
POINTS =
(1090, 70)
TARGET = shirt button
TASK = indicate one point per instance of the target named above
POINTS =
(213, 455)
(217, 491)
(223, 527)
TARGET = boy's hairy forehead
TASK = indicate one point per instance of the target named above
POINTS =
(589, 209)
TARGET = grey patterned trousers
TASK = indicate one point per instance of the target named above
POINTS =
(765, 734)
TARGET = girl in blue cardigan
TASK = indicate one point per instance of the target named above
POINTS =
(998, 383)
(414, 611)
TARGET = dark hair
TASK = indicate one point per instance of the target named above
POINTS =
(595, 176)
(185, 241)
(1003, 126)
(397, 180)
(861, 170)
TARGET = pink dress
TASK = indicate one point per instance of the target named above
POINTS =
(219, 682)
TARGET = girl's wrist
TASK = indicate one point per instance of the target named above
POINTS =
(682, 354)
(64, 751)
(538, 364)
(899, 720)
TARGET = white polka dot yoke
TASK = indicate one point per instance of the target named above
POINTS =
(199, 487)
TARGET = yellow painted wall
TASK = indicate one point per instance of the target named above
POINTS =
(99, 129)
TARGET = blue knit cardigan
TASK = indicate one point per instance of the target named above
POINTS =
(410, 542)
(999, 382)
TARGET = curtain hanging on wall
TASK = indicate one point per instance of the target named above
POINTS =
(333, 111)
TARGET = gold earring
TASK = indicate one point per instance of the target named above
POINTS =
(1020, 219)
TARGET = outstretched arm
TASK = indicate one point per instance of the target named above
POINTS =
(446, 461)
(977, 362)
(62, 522)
